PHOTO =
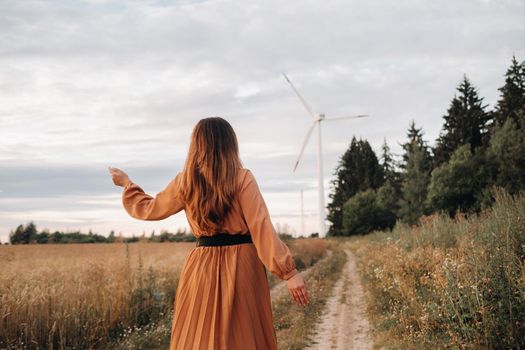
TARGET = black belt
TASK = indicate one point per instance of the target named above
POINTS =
(221, 239)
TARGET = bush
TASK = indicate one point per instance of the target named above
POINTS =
(363, 213)
(461, 184)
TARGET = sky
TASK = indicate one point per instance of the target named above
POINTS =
(87, 84)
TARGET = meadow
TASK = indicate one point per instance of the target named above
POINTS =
(449, 283)
(97, 296)
(446, 283)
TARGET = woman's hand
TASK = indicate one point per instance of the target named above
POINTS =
(297, 289)
(120, 178)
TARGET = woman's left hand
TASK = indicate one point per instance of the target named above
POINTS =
(297, 288)
(120, 178)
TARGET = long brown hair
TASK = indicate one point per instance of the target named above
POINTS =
(209, 177)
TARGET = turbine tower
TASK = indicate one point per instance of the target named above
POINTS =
(303, 232)
(317, 119)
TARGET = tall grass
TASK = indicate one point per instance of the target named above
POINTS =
(82, 296)
(449, 282)
(97, 296)
(305, 253)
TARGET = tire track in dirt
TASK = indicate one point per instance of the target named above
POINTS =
(344, 323)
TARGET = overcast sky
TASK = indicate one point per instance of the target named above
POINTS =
(87, 84)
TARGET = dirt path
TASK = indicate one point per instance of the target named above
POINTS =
(344, 324)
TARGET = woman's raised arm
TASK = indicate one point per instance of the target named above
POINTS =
(142, 206)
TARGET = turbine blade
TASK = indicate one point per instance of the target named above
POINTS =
(303, 101)
(304, 145)
(348, 117)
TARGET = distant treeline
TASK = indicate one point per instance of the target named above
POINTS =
(28, 234)
(477, 149)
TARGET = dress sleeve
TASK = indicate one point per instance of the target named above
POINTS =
(272, 251)
(142, 206)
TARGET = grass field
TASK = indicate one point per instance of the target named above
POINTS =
(449, 283)
(81, 295)
(91, 295)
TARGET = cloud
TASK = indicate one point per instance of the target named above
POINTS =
(88, 84)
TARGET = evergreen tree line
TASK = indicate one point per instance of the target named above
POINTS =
(475, 150)
(29, 234)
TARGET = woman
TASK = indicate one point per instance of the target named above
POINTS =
(222, 299)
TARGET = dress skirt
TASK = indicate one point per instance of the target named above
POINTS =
(223, 301)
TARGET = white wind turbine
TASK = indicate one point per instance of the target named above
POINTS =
(318, 118)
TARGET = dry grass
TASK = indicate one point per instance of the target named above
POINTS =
(82, 295)
(98, 295)
(308, 251)
(305, 252)
(286, 314)
(449, 283)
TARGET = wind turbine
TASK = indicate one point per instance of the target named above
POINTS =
(317, 119)
(302, 215)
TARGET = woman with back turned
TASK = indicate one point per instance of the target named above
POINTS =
(223, 298)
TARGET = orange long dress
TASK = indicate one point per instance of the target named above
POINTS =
(223, 298)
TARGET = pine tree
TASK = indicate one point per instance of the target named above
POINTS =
(18, 236)
(388, 163)
(417, 165)
(415, 137)
(512, 98)
(358, 170)
(390, 192)
(24, 234)
(31, 232)
(466, 122)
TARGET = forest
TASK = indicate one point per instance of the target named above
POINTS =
(477, 149)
